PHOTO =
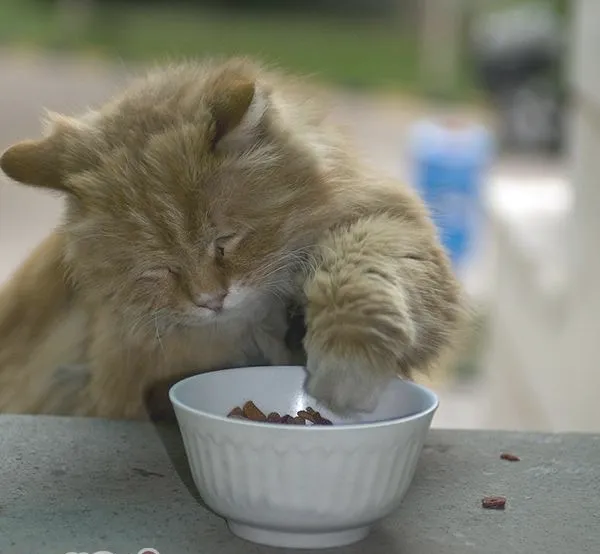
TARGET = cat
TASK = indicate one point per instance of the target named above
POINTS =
(200, 204)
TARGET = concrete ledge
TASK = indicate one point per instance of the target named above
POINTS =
(85, 485)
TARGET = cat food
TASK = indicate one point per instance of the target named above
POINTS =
(509, 457)
(274, 417)
(493, 503)
(236, 412)
(251, 412)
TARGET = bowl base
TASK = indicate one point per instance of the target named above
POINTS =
(286, 539)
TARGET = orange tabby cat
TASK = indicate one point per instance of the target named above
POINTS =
(200, 205)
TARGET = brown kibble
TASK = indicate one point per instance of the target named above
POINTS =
(274, 417)
(252, 412)
(317, 418)
(236, 412)
(510, 457)
(493, 503)
(305, 414)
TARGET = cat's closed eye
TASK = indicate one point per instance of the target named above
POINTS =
(222, 243)
(156, 274)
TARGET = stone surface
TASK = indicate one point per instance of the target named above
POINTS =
(85, 485)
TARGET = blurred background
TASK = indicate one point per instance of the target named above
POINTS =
(467, 100)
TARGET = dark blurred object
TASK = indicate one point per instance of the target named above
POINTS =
(518, 59)
(405, 9)
(348, 8)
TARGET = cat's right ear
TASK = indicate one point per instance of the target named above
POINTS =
(42, 163)
(35, 162)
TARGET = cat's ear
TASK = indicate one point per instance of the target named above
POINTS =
(238, 109)
(39, 162)
(34, 162)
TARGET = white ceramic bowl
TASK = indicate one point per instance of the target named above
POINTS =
(296, 486)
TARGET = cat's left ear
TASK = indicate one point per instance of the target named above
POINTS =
(238, 109)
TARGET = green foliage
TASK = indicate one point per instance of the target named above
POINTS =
(357, 53)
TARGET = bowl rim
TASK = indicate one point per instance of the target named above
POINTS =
(300, 428)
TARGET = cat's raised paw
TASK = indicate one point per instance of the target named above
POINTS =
(344, 386)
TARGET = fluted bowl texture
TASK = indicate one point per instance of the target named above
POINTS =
(299, 486)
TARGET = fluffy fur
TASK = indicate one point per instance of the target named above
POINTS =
(200, 205)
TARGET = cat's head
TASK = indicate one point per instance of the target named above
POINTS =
(194, 194)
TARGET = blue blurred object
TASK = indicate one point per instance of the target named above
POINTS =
(449, 160)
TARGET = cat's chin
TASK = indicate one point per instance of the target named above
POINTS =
(210, 318)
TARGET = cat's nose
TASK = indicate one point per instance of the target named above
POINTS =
(213, 301)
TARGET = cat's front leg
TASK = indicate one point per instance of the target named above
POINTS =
(114, 391)
(121, 367)
(382, 302)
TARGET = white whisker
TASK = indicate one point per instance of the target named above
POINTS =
(158, 334)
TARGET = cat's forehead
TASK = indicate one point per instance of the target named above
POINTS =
(160, 134)
(135, 126)
(154, 156)
(180, 199)
(175, 94)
